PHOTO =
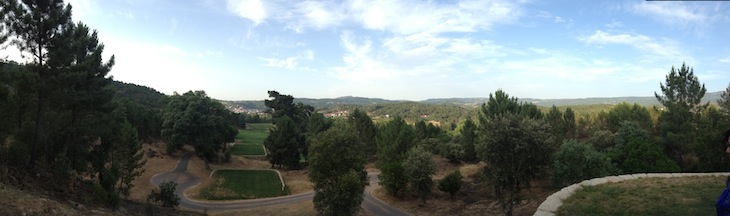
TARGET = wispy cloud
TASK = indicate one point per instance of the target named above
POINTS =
(671, 13)
(651, 47)
(399, 17)
(290, 63)
(253, 10)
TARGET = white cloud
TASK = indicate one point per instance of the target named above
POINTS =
(724, 60)
(413, 17)
(168, 68)
(671, 13)
(399, 17)
(360, 64)
(558, 19)
(250, 9)
(615, 24)
(652, 48)
(290, 63)
(313, 14)
(82, 8)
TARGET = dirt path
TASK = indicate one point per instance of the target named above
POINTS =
(186, 180)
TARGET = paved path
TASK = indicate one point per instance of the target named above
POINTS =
(186, 180)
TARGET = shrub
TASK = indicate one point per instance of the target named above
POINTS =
(576, 161)
(452, 151)
(451, 183)
(392, 178)
(165, 196)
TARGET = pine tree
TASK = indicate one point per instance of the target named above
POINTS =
(681, 97)
(365, 129)
(336, 161)
(36, 26)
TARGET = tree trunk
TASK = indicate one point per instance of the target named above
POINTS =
(207, 165)
(38, 130)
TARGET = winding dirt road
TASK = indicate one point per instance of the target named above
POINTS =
(187, 180)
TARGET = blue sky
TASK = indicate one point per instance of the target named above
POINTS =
(414, 50)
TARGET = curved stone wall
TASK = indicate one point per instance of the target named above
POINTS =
(551, 204)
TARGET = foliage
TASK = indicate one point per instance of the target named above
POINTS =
(165, 195)
(451, 183)
(724, 103)
(365, 129)
(467, 139)
(452, 151)
(576, 161)
(418, 168)
(634, 153)
(625, 112)
(282, 137)
(515, 149)
(569, 123)
(681, 96)
(290, 147)
(128, 156)
(602, 140)
(711, 145)
(60, 109)
(335, 161)
(392, 177)
(555, 119)
(196, 119)
(394, 138)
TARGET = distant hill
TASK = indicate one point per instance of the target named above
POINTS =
(141, 94)
(316, 103)
(711, 97)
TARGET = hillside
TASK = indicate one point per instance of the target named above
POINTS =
(328, 103)
(711, 97)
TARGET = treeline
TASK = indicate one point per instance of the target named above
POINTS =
(518, 141)
(61, 122)
(70, 128)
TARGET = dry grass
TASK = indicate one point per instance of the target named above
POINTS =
(474, 198)
(305, 208)
(160, 163)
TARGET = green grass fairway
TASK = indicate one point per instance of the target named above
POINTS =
(243, 184)
(244, 149)
(647, 196)
(254, 134)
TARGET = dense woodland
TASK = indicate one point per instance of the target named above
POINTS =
(66, 122)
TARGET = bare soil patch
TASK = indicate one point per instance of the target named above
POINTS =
(305, 208)
(157, 162)
(474, 198)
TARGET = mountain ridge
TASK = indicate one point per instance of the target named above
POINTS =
(710, 97)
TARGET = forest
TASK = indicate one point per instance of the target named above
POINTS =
(68, 127)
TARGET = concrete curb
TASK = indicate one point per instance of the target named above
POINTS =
(283, 185)
(550, 206)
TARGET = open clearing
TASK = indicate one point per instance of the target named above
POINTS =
(243, 184)
(254, 134)
(249, 142)
(648, 196)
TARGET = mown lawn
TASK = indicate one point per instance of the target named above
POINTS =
(254, 134)
(648, 196)
(243, 184)
(245, 149)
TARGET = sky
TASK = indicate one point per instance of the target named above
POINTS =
(407, 49)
